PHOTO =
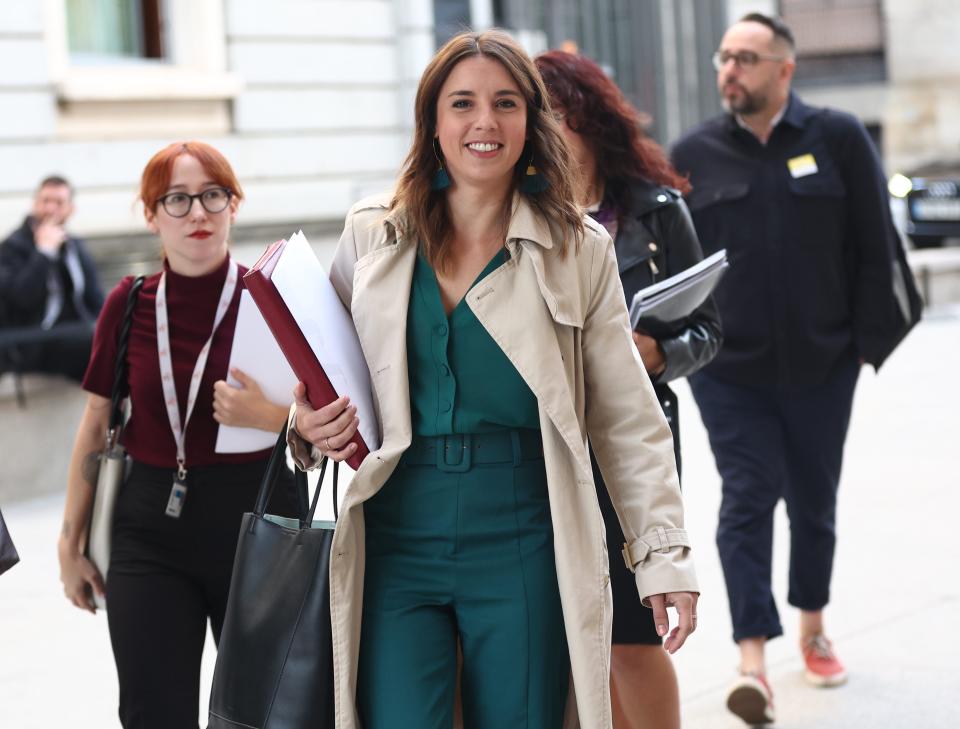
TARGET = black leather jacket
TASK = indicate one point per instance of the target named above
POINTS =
(656, 239)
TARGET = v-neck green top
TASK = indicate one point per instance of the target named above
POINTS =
(460, 379)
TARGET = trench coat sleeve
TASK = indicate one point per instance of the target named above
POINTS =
(306, 455)
(631, 439)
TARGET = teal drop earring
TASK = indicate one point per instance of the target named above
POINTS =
(440, 180)
(533, 182)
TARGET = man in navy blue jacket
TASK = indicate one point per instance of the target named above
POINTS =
(48, 281)
(797, 196)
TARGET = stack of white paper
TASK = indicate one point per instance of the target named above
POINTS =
(666, 302)
(256, 353)
(305, 287)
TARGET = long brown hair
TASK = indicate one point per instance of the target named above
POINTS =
(423, 212)
(597, 109)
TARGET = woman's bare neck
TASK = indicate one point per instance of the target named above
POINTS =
(478, 218)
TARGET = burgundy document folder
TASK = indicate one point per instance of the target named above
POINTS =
(303, 361)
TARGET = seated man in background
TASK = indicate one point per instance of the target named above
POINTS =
(48, 283)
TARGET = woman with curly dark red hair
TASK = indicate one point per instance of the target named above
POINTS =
(629, 186)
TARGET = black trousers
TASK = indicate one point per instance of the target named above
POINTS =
(66, 355)
(773, 442)
(168, 577)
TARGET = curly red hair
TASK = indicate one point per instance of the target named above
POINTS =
(597, 110)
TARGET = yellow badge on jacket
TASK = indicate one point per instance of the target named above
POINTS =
(802, 166)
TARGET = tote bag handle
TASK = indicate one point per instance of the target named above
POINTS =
(276, 462)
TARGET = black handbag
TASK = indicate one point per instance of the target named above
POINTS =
(113, 463)
(8, 553)
(909, 303)
(275, 660)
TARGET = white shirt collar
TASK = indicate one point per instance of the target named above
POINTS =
(773, 122)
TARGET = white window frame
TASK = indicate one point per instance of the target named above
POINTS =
(195, 67)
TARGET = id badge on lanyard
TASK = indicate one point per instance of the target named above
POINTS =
(178, 492)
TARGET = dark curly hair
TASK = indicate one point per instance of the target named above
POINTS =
(597, 110)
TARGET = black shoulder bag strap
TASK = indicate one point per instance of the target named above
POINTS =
(121, 388)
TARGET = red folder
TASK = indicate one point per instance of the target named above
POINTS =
(303, 361)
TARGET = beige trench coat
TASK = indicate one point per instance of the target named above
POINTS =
(564, 326)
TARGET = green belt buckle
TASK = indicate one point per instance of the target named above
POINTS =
(454, 453)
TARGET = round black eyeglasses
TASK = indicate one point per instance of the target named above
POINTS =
(213, 200)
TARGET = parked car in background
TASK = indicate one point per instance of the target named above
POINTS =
(926, 203)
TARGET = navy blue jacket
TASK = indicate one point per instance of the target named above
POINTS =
(811, 252)
(23, 281)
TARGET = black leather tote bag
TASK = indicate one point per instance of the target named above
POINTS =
(275, 661)
(8, 553)
(909, 303)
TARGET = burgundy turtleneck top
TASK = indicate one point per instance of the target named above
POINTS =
(191, 305)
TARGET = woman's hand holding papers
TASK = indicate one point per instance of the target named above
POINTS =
(330, 428)
(650, 353)
(246, 406)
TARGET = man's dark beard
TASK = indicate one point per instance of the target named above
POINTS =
(747, 104)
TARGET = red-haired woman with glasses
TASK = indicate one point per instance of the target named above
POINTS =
(629, 186)
(172, 550)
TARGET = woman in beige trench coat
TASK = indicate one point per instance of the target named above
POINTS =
(556, 310)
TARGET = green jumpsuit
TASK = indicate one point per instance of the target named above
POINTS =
(459, 542)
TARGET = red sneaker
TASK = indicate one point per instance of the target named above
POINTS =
(823, 666)
(751, 699)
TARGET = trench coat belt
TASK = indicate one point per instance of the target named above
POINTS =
(458, 452)
(659, 540)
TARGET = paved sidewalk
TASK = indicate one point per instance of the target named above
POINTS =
(896, 595)
(896, 598)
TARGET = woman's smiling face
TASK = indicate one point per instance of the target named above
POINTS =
(481, 123)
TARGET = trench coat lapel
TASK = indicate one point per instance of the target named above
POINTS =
(518, 309)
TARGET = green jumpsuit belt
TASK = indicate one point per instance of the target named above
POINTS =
(459, 544)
